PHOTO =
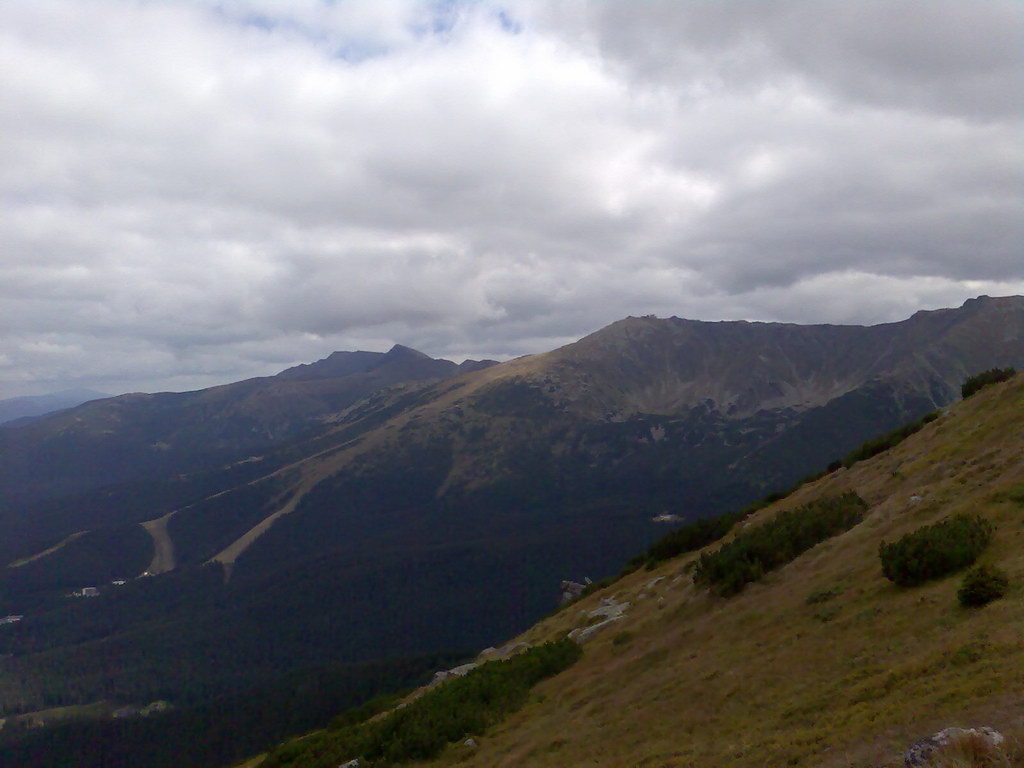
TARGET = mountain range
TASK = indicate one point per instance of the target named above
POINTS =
(378, 506)
(30, 406)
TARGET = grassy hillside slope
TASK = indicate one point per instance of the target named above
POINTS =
(822, 663)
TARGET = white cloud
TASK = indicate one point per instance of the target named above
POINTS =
(196, 192)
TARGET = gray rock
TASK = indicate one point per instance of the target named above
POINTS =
(921, 752)
(505, 652)
(470, 742)
(351, 764)
(571, 590)
(609, 608)
(460, 671)
(583, 634)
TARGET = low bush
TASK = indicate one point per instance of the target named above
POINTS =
(935, 550)
(981, 586)
(984, 379)
(421, 729)
(773, 544)
(365, 711)
(687, 538)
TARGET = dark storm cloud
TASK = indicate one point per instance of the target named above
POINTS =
(195, 192)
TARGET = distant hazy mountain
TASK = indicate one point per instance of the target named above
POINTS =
(146, 436)
(37, 405)
(373, 506)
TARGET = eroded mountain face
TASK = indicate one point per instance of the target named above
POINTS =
(372, 506)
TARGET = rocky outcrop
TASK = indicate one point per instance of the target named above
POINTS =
(610, 610)
(460, 671)
(572, 590)
(505, 652)
(583, 634)
(949, 742)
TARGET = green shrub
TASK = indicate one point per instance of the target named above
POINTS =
(773, 544)
(981, 380)
(420, 730)
(981, 586)
(687, 538)
(366, 710)
(935, 550)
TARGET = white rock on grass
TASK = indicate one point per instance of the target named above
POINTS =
(583, 634)
(460, 671)
(921, 753)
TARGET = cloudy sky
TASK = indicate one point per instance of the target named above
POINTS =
(197, 192)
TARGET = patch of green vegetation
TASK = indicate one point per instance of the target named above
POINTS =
(824, 595)
(515, 398)
(970, 653)
(981, 586)
(826, 614)
(935, 550)
(687, 538)
(420, 730)
(366, 710)
(1015, 494)
(622, 638)
(984, 379)
(771, 545)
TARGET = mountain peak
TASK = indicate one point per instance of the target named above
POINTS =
(403, 352)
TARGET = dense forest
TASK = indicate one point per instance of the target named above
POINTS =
(221, 731)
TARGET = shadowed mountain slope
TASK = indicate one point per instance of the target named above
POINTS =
(144, 436)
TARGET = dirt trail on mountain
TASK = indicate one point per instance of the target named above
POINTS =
(229, 554)
(62, 543)
(163, 547)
